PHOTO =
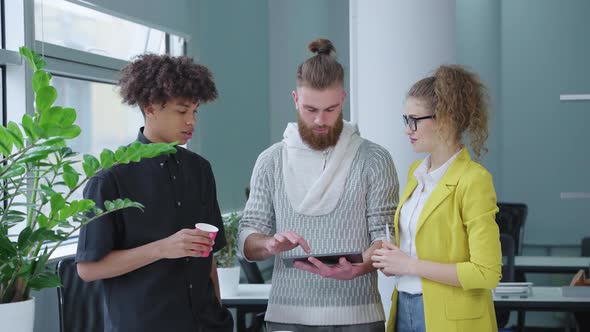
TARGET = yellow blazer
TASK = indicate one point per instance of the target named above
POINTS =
(457, 225)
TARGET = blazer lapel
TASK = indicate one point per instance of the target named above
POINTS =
(408, 190)
(444, 188)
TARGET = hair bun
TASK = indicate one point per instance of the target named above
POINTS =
(321, 46)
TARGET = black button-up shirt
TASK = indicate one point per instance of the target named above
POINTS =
(177, 191)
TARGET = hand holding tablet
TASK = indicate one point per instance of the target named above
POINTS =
(328, 259)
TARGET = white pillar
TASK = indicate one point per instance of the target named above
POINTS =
(392, 45)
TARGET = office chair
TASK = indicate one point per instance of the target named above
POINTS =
(580, 280)
(511, 218)
(80, 302)
(508, 250)
(586, 247)
(253, 276)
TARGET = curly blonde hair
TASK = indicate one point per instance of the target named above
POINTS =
(459, 101)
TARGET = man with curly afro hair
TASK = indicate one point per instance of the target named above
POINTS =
(157, 269)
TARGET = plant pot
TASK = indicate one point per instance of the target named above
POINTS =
(229, 278)
(18, 316)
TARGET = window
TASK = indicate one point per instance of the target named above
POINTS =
(177, 46)
(84, 48)
(105, 121)
(69, 25)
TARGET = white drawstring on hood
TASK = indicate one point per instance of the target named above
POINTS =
(314, 180)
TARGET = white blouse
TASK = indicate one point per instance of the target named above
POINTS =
(410, 213)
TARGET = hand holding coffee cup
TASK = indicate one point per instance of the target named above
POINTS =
(185, 243)
(210, 230)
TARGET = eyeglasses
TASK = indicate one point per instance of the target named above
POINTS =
(412, 122)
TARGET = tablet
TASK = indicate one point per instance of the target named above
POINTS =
(355, 257)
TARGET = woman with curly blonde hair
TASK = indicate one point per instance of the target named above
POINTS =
(446, 256)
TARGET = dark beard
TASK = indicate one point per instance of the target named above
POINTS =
(320, 142)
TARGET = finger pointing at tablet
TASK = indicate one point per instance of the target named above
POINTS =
(286, 241)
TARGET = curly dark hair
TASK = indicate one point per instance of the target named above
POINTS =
(151, 78)
(459, 100)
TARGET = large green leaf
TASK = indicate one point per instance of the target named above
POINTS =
(30, 128)
(40, 79)
(42, 221)
(134, 151)
(90, 165)
(66, 152)
(44, 280)
(44, 234)
(156, 149)
(47, 189)
(58, 121)
(35, 61)
(70, 132)
(5, 141)
(54, 141)
(107, 158)
(14, 171)
(23, 238)
(121, 155)
(37, 153)
(45, 97)
(17, 135)
(7, 247)
(57, 202)
(121, 204)
(76, 207)
(70, 176)
(56, 115)
(13, 216)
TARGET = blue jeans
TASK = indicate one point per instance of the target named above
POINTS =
(410, 313)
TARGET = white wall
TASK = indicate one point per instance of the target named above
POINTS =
(392, 45)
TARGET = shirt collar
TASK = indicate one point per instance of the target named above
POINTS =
(141, 137)
(422, 175)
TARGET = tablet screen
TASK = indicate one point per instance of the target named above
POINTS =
(328, 259)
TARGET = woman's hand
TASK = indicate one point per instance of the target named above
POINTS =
(392, 261)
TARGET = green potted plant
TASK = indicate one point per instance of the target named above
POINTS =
(228, 269)
(38, 177)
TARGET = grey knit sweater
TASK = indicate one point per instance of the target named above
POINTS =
(368, 202)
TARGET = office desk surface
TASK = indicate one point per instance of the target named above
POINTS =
(248, 295)
(550, 264)
(542, 298)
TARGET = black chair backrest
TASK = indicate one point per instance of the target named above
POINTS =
(511, 219)
(80, 302)
(251, 270)
(586, 247)
(508, 252)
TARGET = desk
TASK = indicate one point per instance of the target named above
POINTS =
(248, 295)
(550, 264)
(251, 298)
(255, 296)
(544, 299)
